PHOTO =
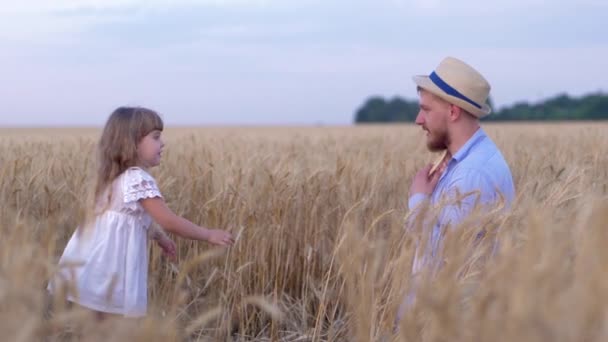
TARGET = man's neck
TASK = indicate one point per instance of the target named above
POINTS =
(461, 136)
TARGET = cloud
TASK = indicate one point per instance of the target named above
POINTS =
(261, 60)
(52, 21)
(42, 6)
(473, 8)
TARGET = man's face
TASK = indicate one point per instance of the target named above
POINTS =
(432, 117)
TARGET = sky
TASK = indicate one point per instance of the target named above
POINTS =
(282, 62)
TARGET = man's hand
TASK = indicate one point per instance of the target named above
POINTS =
(423, 183)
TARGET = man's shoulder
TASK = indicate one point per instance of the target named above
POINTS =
(485, 164)
(486, 155)
(482, 164)
(487, 171)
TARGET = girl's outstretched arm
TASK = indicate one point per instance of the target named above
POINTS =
(158, 210)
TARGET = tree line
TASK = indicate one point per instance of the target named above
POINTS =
(561, 107)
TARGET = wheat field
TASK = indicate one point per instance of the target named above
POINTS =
(322, 253)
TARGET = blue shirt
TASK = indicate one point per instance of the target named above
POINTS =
(477, 169)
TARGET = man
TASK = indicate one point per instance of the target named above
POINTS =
(452, 100)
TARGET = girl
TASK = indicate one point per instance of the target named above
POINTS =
(107, 261)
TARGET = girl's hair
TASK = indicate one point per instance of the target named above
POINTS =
(117, 148)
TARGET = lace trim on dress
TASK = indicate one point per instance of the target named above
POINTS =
(138, 185)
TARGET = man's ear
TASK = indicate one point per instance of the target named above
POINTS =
(455, 112)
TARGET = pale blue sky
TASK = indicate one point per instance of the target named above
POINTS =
(209, 62)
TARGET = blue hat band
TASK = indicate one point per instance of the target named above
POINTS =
(449, 90)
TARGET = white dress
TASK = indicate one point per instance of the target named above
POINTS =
(113, 273)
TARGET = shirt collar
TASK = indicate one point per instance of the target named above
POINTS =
(466, 148)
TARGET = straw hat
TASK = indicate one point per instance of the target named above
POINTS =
(458, 83)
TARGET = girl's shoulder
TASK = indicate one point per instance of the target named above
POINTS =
(138, 183)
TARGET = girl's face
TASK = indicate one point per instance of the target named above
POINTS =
(150, 148)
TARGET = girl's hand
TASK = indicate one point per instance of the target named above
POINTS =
(168, 247)
(220, 237)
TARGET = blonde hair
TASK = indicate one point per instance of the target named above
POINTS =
(117, 150)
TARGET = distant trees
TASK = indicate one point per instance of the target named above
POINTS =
(376, 109)
(561, 107)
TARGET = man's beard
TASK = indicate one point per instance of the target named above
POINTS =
(437, 141)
